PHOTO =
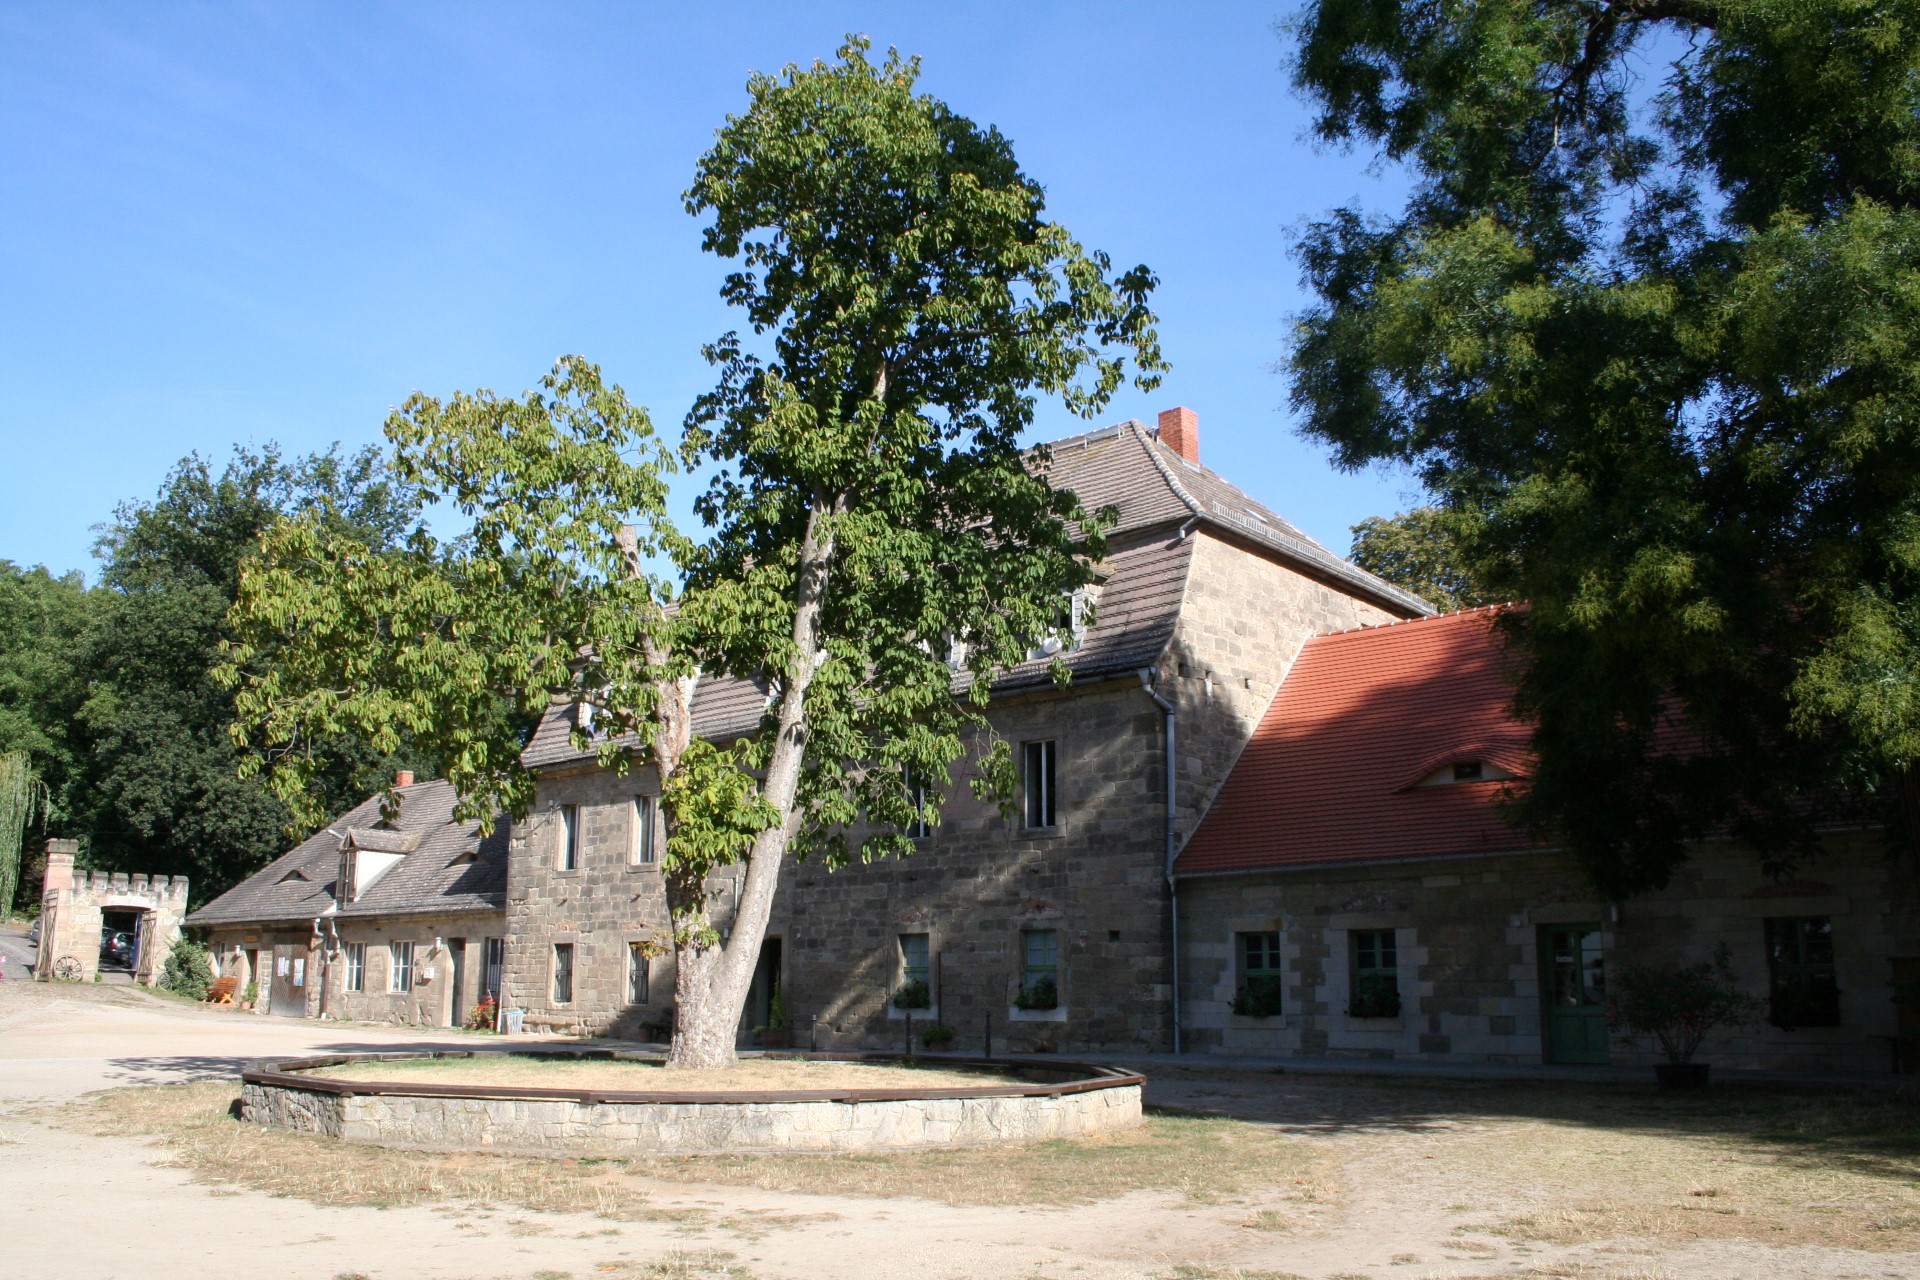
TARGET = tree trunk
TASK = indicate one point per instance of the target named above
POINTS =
(712, 981)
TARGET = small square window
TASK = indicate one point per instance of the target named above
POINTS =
(1258, 995)
(1802, 987)
(1037, 773)
(569, 859)
(399, 967)
(1375, 969)
(644, 816)
(563, 973)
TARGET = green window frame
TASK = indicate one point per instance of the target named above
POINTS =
(916, 972)
(1259, 988)
(1802, 988)
(1039, 969)
(1374, 966)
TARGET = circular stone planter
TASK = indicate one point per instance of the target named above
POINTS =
(1044, 1100)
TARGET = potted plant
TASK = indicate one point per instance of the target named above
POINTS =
(1678, 1004)
(250, 995)
(937, 1038)
(483, 1015)
(913, 995)
(774, 1034)
(1375, 995)
(1041, 993)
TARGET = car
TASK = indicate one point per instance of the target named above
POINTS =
(116, 946)
(33, 934)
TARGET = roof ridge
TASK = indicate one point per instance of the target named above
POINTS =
(1499, 606)
(1166, 473)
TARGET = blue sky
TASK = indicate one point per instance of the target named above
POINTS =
(252, 222)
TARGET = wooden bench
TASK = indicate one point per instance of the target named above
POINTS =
(222, 990)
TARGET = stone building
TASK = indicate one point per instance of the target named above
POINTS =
(1050, 929)
(75, 905)
(1354, 891)
(399, 921)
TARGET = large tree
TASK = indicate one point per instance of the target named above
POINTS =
(1425, 551)
(873, 520)
(1652, 309)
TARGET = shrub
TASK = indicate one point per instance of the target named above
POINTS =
(1678, 1004)
(913, 995)
(1260, 998)
(188, 971)
(1375, 995)
(1040, 994)
(937, 1037)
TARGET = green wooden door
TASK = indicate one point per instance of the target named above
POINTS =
(1575, 982)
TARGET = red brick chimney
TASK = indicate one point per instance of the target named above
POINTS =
(403, 778)
(1180, 432)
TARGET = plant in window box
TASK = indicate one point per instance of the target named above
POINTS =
(1678, 1004)
(937, 1038)
(1375, 995)
(913, 995)
(1041, 993)
(1259, 998)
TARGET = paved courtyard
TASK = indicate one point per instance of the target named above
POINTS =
(1409, 1178)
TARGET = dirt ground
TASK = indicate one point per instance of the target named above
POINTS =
(1326, 1178)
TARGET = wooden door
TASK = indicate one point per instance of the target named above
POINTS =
(289, 992)
(1574, 983)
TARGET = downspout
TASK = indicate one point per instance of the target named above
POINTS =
(1147, 675)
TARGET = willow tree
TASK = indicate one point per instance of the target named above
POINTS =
(21, 797)
(1650, 315)
(873, 522)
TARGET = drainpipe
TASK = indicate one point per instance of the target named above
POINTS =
(1147, 675)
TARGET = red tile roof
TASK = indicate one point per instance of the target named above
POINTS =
(1331, 773)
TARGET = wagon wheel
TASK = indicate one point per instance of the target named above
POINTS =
(68, 969)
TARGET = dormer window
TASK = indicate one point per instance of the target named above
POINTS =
(1080, 611)
(1468, 771)
(291, 876)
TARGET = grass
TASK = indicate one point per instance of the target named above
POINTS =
(1204, 1161)
(560, 1072)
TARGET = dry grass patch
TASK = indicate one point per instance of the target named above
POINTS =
(1205, 1161)
(561, 1072)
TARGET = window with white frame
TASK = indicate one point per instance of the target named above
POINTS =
(643, 852)
(916, 973)
(1037, 773)
(356, 966)
(399, 966)
(569, 852)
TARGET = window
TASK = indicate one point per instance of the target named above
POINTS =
(1259, 994)
(399, 966)
(1039, 968)
(1376, 975)
(563, 973)
(918, 827)
(1469, 771)
(496, 964)
(569, 837)
(1800, 974)
(643, 815)
(638, 977)
(356, 966)
(1037, 774)
(915, 990)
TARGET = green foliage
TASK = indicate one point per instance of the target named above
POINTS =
(1657, 338)
(1374, 995)
(1258, 998)
(913, 995)
(188, 971)
(161, 789)
(21, 796)
(936, 1037)
(777, 1010)
(1427, 551)
(1041, 993)
(1679, 1004)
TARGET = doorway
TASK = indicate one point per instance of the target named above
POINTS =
(1574, 984)
(289, 992)
(763, 992)
(457, 962)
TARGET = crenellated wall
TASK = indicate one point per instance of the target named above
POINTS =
(72, 903)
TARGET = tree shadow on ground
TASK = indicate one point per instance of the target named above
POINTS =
(1874, 1132)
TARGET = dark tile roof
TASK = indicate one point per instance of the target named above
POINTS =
(1331, 773)
(1154, 491)
(434, 876)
